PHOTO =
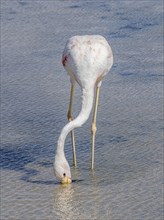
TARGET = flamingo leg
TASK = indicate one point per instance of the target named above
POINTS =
(93, 127)
(69, 116)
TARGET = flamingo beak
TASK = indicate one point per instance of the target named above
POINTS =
(66, 180)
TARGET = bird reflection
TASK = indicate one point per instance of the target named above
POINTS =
(63, 202)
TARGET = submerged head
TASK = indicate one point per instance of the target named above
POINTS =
(62, 169)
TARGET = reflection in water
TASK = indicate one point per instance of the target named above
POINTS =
(63, 202)
(82, 199)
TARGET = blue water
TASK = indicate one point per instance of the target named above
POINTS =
(127, 181)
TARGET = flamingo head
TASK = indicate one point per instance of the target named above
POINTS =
(62, 169)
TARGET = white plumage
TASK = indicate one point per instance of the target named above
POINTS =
(87, 59)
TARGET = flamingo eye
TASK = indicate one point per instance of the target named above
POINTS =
(64, 174)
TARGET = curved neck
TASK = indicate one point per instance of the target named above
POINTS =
(87, 102)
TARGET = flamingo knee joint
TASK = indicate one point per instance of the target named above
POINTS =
(69, 116)
(94, 128)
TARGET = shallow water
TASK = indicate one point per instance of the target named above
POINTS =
(127, 181)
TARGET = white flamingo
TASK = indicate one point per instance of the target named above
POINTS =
(87, 59)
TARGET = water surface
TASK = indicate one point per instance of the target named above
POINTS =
(127, 181)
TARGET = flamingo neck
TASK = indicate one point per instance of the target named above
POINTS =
(87, 103)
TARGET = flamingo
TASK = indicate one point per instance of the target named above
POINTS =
(87, 59)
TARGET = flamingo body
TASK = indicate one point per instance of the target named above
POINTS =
(87, 59)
